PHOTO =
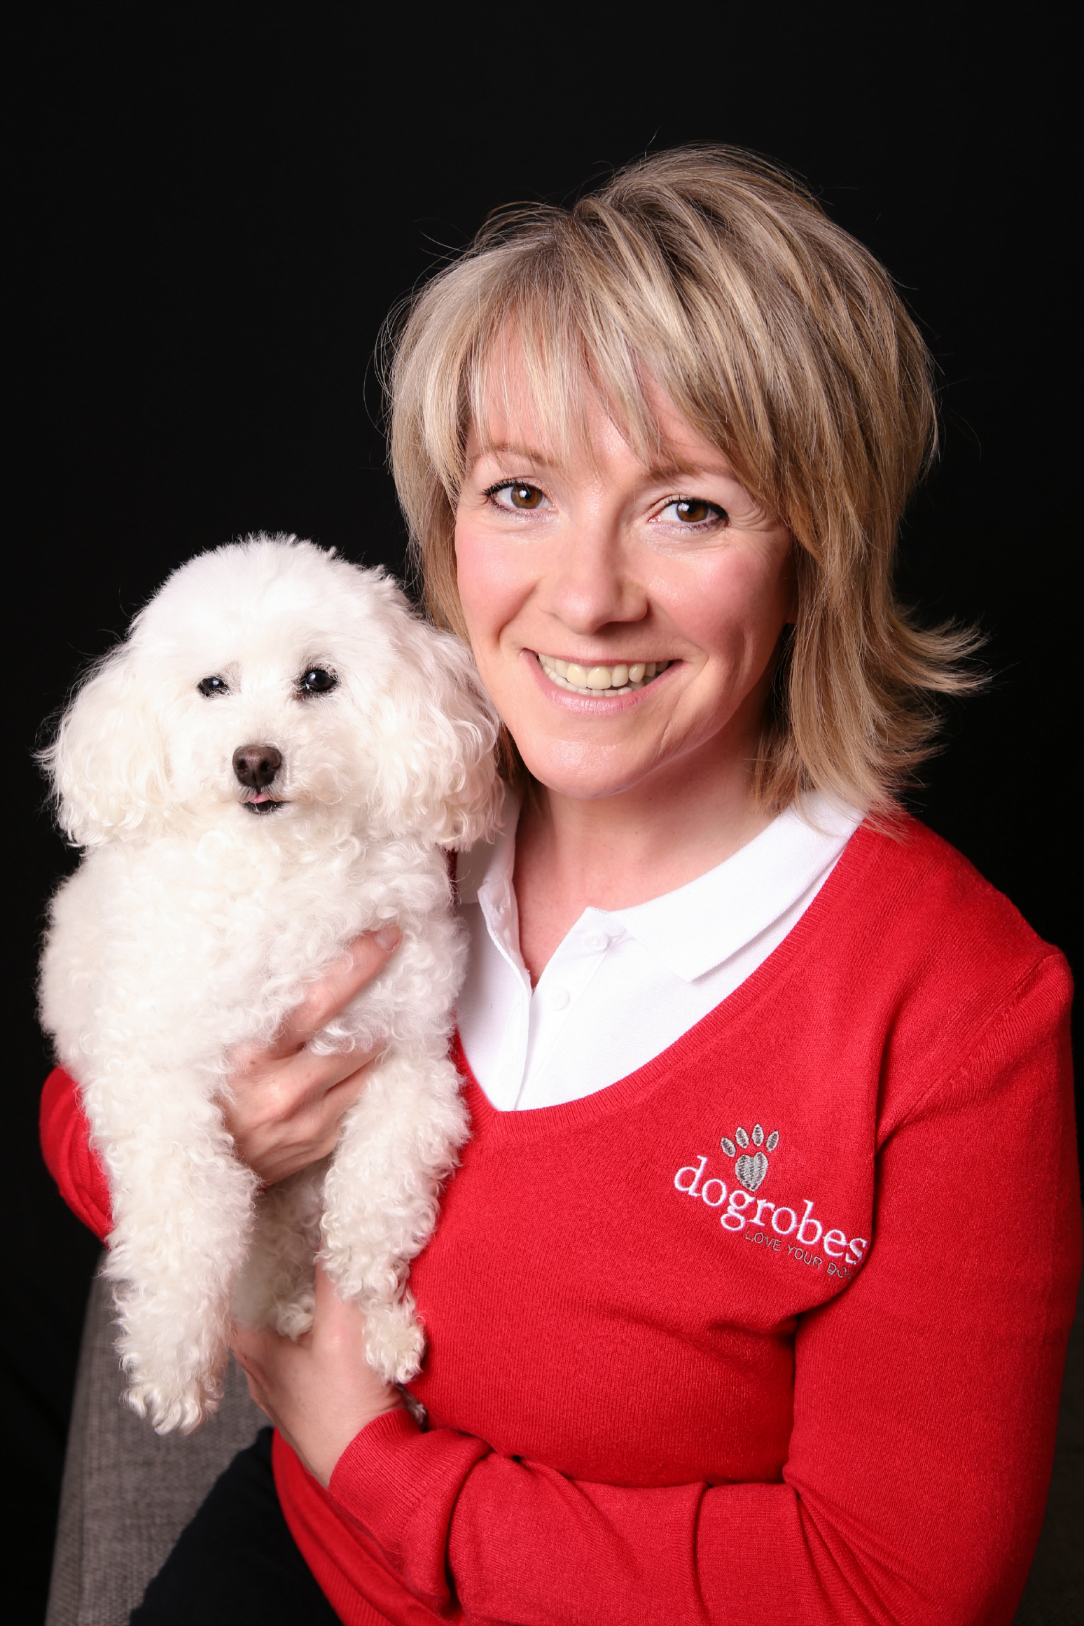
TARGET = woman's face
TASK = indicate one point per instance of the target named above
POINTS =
(581, 574)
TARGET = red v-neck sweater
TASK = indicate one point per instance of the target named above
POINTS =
(770, 1331)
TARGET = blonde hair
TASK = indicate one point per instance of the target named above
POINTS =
(716, 278)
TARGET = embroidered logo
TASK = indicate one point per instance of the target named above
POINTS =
(751, 1167)
(745, 1214)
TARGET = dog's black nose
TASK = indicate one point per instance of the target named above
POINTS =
(256, 765)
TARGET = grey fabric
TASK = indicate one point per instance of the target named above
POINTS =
(1054, 1595)
(127, 1493)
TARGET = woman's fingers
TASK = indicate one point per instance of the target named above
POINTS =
(365, 957)
(332, 1314)
(319, 1391)
(297, 1086)
(283, 1131)
(316, 1122)
(284, 1104)
(247, 1346)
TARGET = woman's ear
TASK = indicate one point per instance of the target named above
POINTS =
(436, 731)
(107, 764)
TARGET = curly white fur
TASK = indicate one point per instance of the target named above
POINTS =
(194, 924)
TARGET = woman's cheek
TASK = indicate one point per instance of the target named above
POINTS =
(741, 599)
(495, 583)
(481, 577)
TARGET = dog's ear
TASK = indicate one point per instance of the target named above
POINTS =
(436, 733)
(107, 764)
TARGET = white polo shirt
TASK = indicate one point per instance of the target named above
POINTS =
(626, 983)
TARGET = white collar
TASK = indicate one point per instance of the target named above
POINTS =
(695, 928)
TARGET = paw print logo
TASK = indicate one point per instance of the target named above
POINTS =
(751, 1167)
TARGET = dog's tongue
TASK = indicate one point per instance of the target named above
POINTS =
(260, 796)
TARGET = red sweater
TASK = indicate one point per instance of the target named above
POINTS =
(808, 1379)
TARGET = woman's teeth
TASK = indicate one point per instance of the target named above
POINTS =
(619, 679)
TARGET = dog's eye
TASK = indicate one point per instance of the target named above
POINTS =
(214, 685)
(317, 680)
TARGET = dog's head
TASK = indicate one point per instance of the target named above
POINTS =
(268, 680)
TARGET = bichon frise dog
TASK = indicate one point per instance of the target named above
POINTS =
(273, 762)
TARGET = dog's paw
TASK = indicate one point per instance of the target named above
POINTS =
(394, 1342)
(179, 1411)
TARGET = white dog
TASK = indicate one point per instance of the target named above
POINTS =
(270, 764)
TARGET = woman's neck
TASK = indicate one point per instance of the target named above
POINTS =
(618, 851)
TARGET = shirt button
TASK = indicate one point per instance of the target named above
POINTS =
(559, 998)
(509, 1074)
(595, 942)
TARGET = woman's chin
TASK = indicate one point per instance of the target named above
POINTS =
(585, 774)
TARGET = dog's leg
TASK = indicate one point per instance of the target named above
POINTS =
(397, 1145)
(276, 1287)
(183, 1214)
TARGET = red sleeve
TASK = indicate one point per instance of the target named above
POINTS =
(916, 1481)
(69, 1156)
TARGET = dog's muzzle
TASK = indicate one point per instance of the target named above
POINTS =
(256, 767)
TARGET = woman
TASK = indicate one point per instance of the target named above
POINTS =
(750, 1298)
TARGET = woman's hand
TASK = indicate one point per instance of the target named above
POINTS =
(320, 1391)
(284, 1105)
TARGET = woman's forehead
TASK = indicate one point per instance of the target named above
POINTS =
(520, 407)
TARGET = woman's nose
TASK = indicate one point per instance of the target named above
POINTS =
(593, 583)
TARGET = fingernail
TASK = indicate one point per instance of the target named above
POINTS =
(388, 937)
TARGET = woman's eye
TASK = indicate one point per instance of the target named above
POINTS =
(213, 685)
(694, 511)
(517, 494)
(317, 680)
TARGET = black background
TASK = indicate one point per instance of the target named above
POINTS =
(213, 207)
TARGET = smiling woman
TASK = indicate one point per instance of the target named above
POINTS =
(605, 572)
(654, 451)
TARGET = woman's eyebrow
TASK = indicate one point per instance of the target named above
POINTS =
(664, 470)
(509, 448)
(671, 469)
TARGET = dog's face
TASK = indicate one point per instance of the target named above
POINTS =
(270, 683)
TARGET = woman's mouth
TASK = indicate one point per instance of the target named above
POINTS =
(623, 677)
